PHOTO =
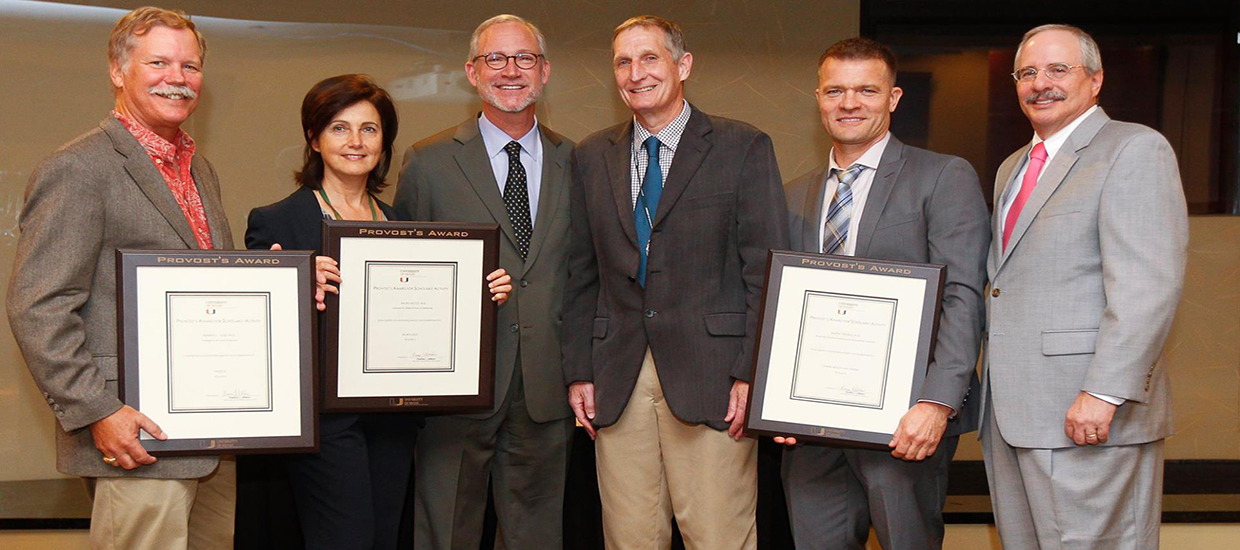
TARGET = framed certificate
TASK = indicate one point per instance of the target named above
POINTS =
(217, 348)
(843, 346)
(414, 325)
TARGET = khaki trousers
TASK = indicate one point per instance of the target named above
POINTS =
(132, 513)
(651, 466)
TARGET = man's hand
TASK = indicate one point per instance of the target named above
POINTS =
(786, 440)
(116, 436)
(1089, 420)
(581, 399)
(920, 430)
(500, 284)
(737, 400)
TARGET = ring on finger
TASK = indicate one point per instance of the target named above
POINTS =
(111, 460)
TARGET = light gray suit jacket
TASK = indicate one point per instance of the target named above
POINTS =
(96, 194)
(448, 177)
(927, 208)
(1085, 293)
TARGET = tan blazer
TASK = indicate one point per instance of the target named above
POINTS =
(99, 193)
(447, 177)
(1084, 295)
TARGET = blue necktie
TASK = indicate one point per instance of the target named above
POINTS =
(835, 232)
(648, 204)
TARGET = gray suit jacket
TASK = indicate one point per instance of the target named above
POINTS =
(448, 177)
(99, 193)
(1085, 293)
(722, 209)
(927, 208)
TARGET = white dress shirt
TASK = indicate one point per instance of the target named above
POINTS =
(1052, 145)
(531, 156)
(860, 191)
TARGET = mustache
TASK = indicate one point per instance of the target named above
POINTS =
(168, 89)
(1046, 94)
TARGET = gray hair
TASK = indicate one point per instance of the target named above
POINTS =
(506, 18)
(1091, 58)
(673, 35)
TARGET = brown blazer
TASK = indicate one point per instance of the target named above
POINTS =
(99, 193)
(722, 209)
(447, 177)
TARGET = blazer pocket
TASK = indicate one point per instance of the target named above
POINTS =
(600, 327)
(725, 324)
(1059, 211)
(884, 224)
(708, 201)
(1069, 342)
(106, 363)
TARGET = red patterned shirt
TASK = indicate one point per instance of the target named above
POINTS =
(173, 162)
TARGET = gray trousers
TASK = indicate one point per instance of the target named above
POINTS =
(526, 463)
(835, 495)
(1097, 498)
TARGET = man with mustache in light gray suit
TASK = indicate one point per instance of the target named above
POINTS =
(1086, 269)
(879, 198)
(133, 182)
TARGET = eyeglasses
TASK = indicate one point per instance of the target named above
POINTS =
(1054, 71)
(498, 61)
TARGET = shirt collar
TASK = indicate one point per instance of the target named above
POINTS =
(869, 159)
(1057, 139)
(155, 145)
(495, 139)
(669, 136)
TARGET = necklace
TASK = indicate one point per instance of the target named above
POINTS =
(374, 215)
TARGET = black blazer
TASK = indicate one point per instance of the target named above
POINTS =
(722, 209)
(296, 222)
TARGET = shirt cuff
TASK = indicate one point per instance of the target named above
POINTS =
(1117, 401)
(953, 409)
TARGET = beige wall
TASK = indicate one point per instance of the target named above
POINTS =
(753, 61)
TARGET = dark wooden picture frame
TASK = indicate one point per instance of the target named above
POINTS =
(488, 234)
(128, 263)
(837, 433)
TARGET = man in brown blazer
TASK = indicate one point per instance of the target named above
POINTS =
(673, 213)
(503, 167)
(133, 182)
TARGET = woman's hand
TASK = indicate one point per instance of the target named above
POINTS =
(500, 284)
(326, 272)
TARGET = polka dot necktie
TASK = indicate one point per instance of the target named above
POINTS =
(517, 198)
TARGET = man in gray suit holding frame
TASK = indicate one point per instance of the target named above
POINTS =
(133, 182)
(1086, 269)
(501, 167)
(879, 198)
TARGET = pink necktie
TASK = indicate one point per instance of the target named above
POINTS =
(1036, 159)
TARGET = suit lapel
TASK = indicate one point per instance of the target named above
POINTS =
(474, 163)
(144, 173)
(1052, 177)
(618, 166)
(811, 210)
(207, 190)
(551, 189)
(690, 153)
(888, 171)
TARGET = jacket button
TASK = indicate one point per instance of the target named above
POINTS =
(651, 313)
(994, 293)
(524, 283)
(514, 328)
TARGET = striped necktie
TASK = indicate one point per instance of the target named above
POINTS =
(835, 232)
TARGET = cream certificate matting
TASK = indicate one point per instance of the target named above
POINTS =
(426, 339)
(227, 348)
(842, 352)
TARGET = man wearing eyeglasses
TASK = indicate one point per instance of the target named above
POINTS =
(1086, 266)
(501, 167)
